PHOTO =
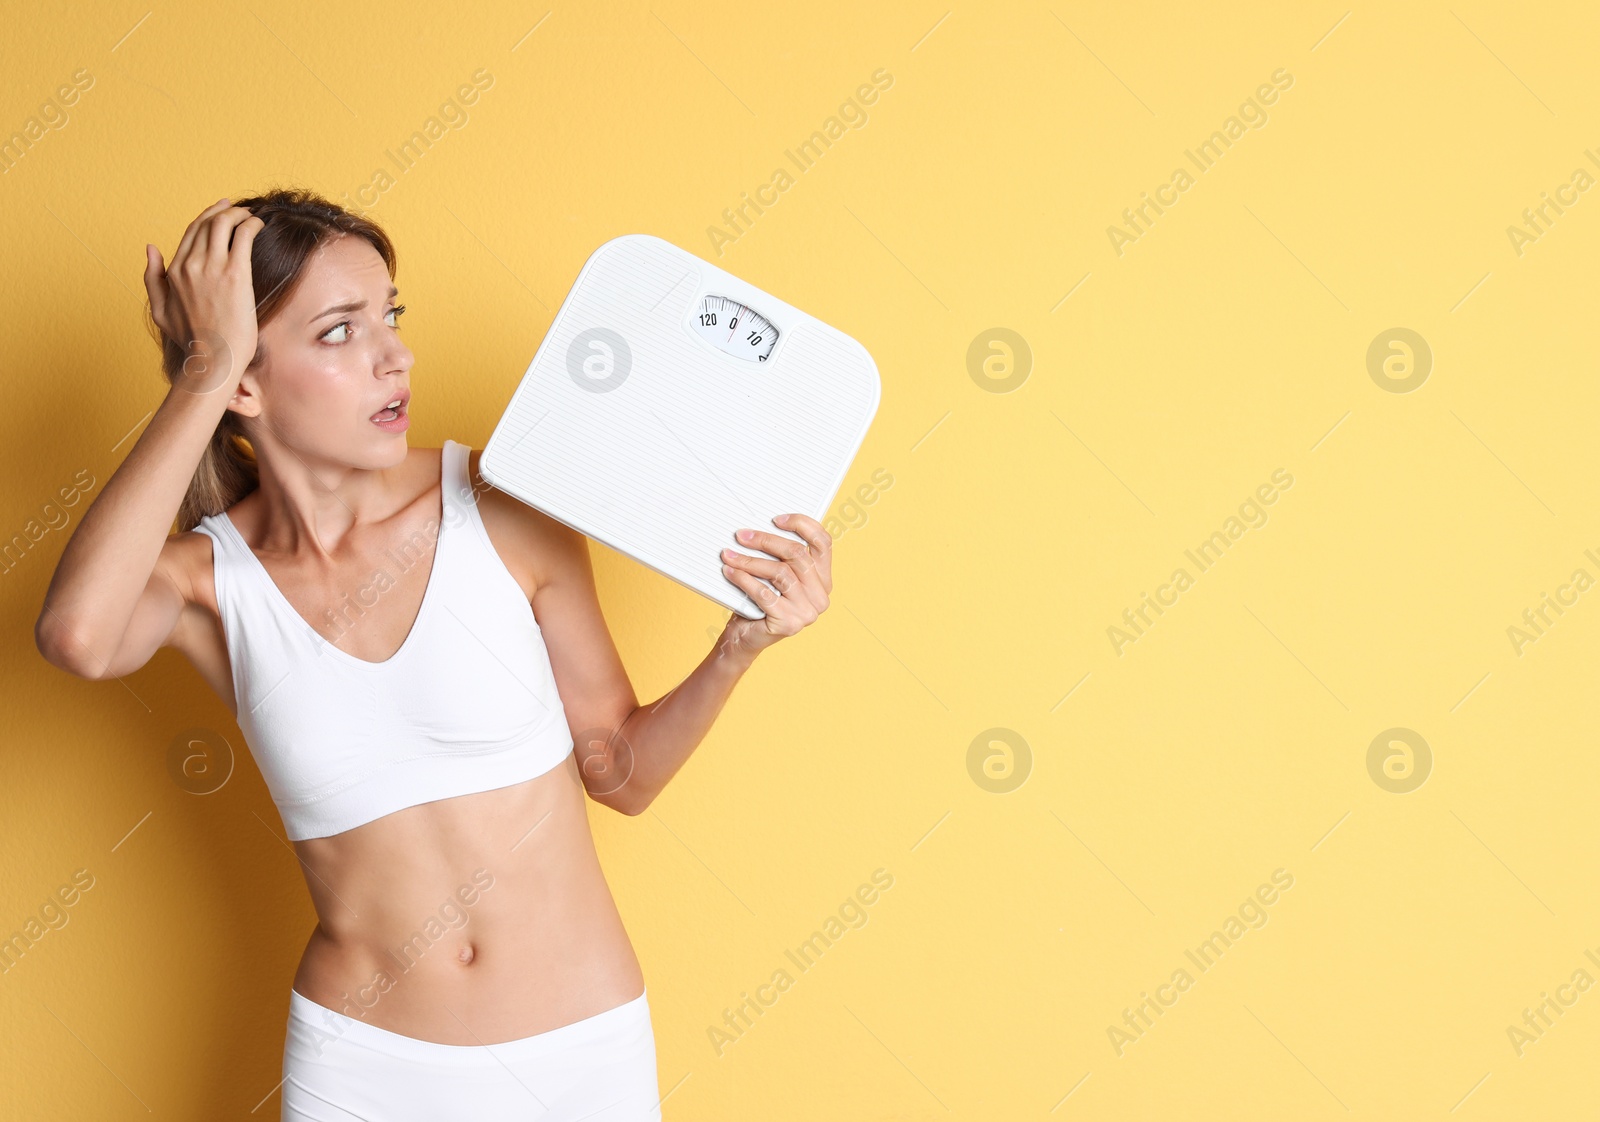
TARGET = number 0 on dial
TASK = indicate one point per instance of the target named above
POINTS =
(732, 327)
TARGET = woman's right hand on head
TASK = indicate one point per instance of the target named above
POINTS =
(204, 298)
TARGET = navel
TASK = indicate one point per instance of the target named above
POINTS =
(467, 954)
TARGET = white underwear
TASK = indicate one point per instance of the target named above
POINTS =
(599, 1069)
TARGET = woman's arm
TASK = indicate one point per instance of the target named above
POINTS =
(628, 752)
(655, 740)
(118, 591)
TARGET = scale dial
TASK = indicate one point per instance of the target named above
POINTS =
(735, 328)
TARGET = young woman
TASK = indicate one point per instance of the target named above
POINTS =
(421, 671)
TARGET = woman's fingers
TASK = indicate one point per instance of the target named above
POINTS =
(166, 308)
(792, 591)
(758, 590)
(811, 561)
(819, 545)
(155, 283)
(779, 574)
(244, 236)
(792, 579)
(223, 228)
(195, 230)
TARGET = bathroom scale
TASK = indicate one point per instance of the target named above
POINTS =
(672, 404)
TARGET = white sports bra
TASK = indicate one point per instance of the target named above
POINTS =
(468, 703)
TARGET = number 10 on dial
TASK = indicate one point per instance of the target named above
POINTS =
(735, 328)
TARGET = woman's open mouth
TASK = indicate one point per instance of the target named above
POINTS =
(393, 416)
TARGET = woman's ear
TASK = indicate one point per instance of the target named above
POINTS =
(246, 399)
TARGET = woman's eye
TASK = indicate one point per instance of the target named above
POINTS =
(344, 325)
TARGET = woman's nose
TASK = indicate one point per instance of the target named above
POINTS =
(395, 356)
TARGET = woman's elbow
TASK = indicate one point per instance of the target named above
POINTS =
(57, 646)
(626, 799)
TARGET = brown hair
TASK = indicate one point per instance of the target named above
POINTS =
(297, 222)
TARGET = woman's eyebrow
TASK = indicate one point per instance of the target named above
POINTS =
(353, 306)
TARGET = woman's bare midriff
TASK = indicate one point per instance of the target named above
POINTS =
(470, 920)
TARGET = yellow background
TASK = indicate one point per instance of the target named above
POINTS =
(973, 594)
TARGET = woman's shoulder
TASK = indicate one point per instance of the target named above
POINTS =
(535, 547)
(237, 515)
(187, 562)
(189, 556)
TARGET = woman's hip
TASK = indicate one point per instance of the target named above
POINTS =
(601, 1068)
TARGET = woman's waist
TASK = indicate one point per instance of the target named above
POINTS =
(502, 980)
(422, 908)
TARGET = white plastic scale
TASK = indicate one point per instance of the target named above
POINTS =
(672, 404)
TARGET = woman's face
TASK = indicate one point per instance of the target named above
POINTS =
(332, 358)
